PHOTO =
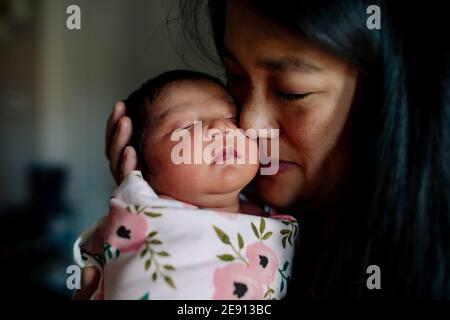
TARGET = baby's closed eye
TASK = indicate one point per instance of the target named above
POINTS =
(183, 126)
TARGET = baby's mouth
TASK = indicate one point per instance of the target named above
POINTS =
(226, 154)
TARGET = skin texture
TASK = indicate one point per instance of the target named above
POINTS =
(90, 277)
(122, 158)
(283, 81)
(214, 186)
(312, 124)
(208, 185)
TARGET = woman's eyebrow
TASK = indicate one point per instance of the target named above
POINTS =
(280, 64)
(288, 64)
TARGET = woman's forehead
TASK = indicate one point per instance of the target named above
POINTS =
(252, 38)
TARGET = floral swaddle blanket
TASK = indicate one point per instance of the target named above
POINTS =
(149, 247)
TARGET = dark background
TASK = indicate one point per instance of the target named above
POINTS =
(57, 88)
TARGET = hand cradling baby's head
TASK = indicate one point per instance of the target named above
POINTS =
(187, 140)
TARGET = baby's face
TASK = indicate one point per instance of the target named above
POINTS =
(171, 128)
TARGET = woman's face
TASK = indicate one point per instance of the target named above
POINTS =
(283, 81)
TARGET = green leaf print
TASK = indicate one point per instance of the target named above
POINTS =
(169, 281)
(222, 235)
(288, 233)
(152, 234)
(240, 241)
(262, 225)
(163, 254)
(283, 242)
(267, 235)
(152, 262)
(284, 279)
(146, 296)
(148, 264)
(225, 257)
(152, 214)
(224, 238)
(169, 267)
(255, 230)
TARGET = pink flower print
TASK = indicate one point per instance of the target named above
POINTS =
(125, 230)
(263, 261)
(236, 282)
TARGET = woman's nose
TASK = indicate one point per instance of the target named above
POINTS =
(257, 113)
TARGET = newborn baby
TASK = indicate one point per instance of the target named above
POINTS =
(176, 228)
(174, 104)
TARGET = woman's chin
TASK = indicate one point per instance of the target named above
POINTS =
(277, 193)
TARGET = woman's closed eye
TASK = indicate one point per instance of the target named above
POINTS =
(288, 96)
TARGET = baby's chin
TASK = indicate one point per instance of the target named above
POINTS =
(226, 179)
(207, 186)
(231, 177)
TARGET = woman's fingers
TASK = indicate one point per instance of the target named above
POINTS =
(129, 162)
(118, 112)
(119, 141)
(122, 159)
(90, 278)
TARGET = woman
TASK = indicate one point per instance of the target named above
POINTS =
(364, 126)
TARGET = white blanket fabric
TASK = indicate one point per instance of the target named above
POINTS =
(148, 247)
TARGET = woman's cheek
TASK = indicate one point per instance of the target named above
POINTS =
(304, 143)
(299, 130)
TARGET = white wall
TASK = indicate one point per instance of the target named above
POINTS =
(80, 75)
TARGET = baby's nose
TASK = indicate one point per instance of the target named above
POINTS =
(221, 126)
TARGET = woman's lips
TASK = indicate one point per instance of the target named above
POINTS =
(283, 166)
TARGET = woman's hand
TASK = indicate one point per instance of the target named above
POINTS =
(90, 278)
(122, 158)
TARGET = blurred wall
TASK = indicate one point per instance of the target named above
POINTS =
(57, 88)
(18, 105)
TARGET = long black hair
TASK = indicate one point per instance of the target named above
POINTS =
(399, 210)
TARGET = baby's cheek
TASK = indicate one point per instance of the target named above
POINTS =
(173, 171)
(175, 174)
(252, 152)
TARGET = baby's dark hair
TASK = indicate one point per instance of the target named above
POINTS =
(138, 102)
